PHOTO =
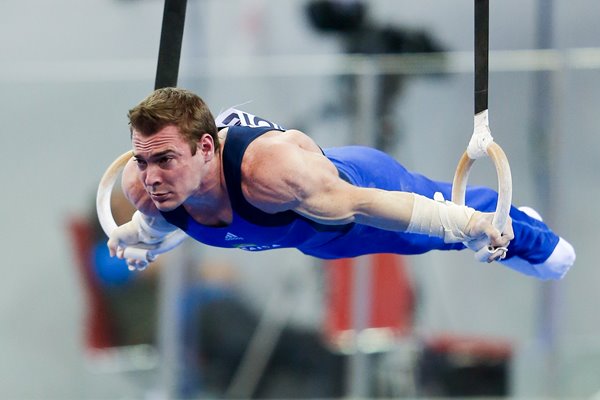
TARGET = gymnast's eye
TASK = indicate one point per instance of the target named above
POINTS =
(164, 161)
(140, 163)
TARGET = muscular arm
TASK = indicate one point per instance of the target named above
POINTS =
(287, 171)
(284, 172)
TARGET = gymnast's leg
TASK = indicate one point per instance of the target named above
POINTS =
(536, 250)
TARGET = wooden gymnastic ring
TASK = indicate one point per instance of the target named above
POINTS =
(461, 176)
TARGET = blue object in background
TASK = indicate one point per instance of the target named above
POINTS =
(111, 271)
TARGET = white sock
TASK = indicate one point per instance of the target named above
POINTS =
(531, 212)
(556, 265)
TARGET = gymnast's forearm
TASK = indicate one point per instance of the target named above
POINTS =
(350, 204)
(389, 210)
(415, 213)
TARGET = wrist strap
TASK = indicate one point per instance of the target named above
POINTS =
(439, 218)
(151, 230)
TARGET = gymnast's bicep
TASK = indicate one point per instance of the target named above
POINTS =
(285, 177)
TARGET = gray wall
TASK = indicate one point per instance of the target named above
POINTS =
(71, 69)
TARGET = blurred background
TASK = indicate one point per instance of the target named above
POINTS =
(208, 323)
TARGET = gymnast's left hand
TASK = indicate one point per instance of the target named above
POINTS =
(481, 229)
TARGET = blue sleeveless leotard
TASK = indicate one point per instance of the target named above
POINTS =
(254, 230)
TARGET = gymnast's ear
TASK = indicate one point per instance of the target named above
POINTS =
(206, 145)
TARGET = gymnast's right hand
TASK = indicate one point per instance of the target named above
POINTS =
(139, 234)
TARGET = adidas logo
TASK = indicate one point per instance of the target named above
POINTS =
(231, 236)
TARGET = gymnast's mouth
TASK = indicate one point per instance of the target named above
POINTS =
(159, 196)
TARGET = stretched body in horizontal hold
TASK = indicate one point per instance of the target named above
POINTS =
(256, 186)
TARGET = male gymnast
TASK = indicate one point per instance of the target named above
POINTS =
(244, 182)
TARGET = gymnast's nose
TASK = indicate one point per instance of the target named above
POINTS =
(152, 176)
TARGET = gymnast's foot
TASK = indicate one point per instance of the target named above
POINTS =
(554, 267)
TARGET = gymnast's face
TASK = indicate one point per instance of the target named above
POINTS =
(168, 170)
